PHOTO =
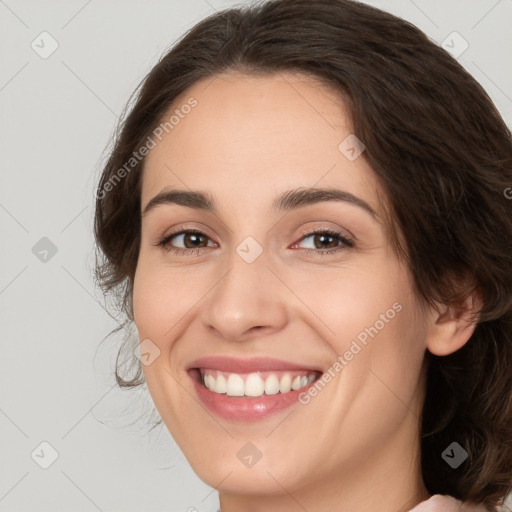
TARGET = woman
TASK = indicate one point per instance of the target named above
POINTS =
(305, 215)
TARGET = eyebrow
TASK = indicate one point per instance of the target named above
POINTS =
(289, 200)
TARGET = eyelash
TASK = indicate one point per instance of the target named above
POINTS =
(346, 242)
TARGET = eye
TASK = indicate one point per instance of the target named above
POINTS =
(190, 237)
(322, 238)
(197, 240)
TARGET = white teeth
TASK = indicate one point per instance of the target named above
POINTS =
(210, 381)
(234, 385)
(221, 384)
(296, 383)
(254, 385)
(271, 385)
(286, 384)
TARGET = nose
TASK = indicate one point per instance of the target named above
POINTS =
(248, 300)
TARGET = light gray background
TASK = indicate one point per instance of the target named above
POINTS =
(57, 115)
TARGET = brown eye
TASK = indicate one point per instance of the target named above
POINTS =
(324, 240)
(329, 240)
(190, 239)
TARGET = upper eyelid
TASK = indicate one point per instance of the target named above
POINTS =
(180, 229)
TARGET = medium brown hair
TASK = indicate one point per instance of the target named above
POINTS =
(443, 156)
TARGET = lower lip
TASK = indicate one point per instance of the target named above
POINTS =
(243, 408)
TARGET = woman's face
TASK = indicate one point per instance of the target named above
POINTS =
(257, 302)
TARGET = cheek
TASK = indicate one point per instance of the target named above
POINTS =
(160, 297)
(165, 300)
(359, 301)
(374, 322)
(378, 343)
(160, 301)
(152, 318)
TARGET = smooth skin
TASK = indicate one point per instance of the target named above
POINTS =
(355, 446)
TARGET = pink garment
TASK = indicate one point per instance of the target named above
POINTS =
(444, 503)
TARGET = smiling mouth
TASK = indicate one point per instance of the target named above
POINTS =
(254, 384)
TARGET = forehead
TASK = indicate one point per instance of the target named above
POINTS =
(251, 136)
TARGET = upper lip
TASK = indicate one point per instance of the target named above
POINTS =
(233, 365)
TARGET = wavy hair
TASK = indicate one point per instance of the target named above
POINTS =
(443, 156)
